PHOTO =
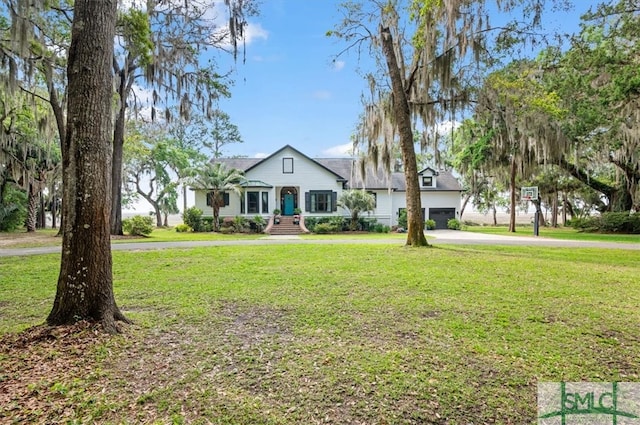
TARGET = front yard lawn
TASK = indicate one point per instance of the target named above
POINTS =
(301, 334)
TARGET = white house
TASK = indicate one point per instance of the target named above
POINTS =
(288, 179)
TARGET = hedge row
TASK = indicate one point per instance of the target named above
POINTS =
(613, 222)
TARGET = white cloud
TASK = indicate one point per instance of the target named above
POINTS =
(261, 155)
(143, 95)
(339, 151)
(445, 127)
(218, 13)
(322, 95)
(255, 32)
(338, 65)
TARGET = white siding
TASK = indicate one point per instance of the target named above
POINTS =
(231, 210)
(431, 199)
(384, 211)
(307, 175)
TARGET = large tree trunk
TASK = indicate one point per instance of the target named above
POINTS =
(32, 208)
(618, 198)
(538, 205)
(466, 199)
(156, 208)
(564, 208)
(54, 213)
(184, 198)
(512, 184)
(58, 112)
(85, 285)
(42, 211)
(402, 115)
(554, 209)
(124, 86)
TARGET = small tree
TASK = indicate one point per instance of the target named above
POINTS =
(223, 132)
(356, 201)
(217, 179)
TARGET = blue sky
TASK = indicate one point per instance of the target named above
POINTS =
(289, 91)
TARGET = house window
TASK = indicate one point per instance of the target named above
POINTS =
(375, 198)
(287, 165)
(265, 202)
(225, 198)
(321, 201)
(253, 202)
(427, 181)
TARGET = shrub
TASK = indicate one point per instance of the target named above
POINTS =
(381, 228)
(612, 222)
(402, 219)
(310, 223)
(206, 224)
(620, 222)
(453, 224)
(227, 230)
(192, 217)
(13, 211)
(339, 224)
(138, 225)
(323, 228)
(226, 222)
(367, 224)
(430, 224)
(183, 228)
(582, 224)
(240, 224)
(258, 223)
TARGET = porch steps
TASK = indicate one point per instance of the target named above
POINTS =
(286, 227)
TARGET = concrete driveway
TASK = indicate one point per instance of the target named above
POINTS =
(455, 237)
(470, 238)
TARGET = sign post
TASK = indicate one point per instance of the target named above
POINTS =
(531, 194)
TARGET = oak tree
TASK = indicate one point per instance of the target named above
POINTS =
(85, 282)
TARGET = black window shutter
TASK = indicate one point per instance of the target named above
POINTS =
(307, 202)
(209, 198)
(334, 201)
(226, 198)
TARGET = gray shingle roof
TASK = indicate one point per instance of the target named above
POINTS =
(348, 169)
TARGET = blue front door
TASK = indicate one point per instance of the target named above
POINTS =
(288, 204)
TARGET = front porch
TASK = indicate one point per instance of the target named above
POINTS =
(286, 226)
(288, 200)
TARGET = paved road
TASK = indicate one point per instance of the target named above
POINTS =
(441, 237)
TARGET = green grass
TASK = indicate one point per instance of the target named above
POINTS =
(170, 235)
(308, 333)
(357, 236)
(565, 233)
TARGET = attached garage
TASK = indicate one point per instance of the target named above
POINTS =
(441, 216)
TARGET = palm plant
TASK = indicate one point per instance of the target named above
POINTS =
(217, 179)
(356, 201)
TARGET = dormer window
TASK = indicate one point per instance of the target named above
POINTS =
(287, 165)
(427, 181)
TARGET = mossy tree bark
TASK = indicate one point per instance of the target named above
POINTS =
(402, 115)
(85, 283)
